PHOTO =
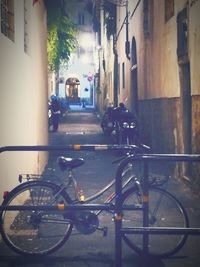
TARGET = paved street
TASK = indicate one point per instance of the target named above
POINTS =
(95, 250)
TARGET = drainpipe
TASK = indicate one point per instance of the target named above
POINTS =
(115, 71)
(127, 43)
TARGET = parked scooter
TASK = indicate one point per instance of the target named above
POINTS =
(49, 113)
(126, 126)
(127, 129)
(107, 122)
(54, 113)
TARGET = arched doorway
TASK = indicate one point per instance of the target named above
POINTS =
(134, 83)
(72, 87)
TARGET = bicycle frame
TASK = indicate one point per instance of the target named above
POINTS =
(108, 199)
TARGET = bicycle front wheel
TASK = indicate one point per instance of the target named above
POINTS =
(30, 232)
(164, 211)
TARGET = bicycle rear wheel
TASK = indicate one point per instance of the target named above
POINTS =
(30, 232)
(164, 211)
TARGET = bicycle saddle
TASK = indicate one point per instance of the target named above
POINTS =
(70, 163)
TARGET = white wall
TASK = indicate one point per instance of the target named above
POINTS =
(23, 95)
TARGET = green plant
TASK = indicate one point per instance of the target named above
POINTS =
(110, 18)
(61, 40)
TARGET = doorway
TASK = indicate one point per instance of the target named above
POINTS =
(73, 90)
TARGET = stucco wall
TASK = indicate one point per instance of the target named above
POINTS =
(163, 115)
(23, 95)
(158, 73)
(135, 30)
(164, 80)
(194, 47)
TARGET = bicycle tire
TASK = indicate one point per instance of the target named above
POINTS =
(170, 213)
(31, 232)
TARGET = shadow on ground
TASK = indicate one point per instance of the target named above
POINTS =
(89, 260)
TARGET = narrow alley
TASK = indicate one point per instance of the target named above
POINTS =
(79, 61)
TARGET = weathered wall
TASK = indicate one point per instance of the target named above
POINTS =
(164, 81)
(160, 128)
(158, 73)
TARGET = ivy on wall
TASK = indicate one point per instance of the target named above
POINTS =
(61, 40)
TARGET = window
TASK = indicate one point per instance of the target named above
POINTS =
(182, 33)
(81, 19)
(146, 18)
(7, 18)
(169, 9)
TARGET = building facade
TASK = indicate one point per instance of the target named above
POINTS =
(23, 88)
(158, 62)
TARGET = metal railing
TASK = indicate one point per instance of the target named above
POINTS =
(117, 207)
(119, 231)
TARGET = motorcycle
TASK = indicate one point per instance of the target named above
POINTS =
(53, 114)
(126, 129)
(49, 114)
(107, 122)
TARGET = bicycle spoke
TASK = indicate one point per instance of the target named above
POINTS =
(164, 211)
(27, 231)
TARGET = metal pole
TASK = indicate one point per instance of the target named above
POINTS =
(118, 212)
(118, 218)
(145, 207)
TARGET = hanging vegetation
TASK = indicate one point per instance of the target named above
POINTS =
(110, 18)
(61, 35)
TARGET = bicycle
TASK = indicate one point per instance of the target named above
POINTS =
(30, 232)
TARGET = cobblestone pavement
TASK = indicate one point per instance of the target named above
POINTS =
(95, 250)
